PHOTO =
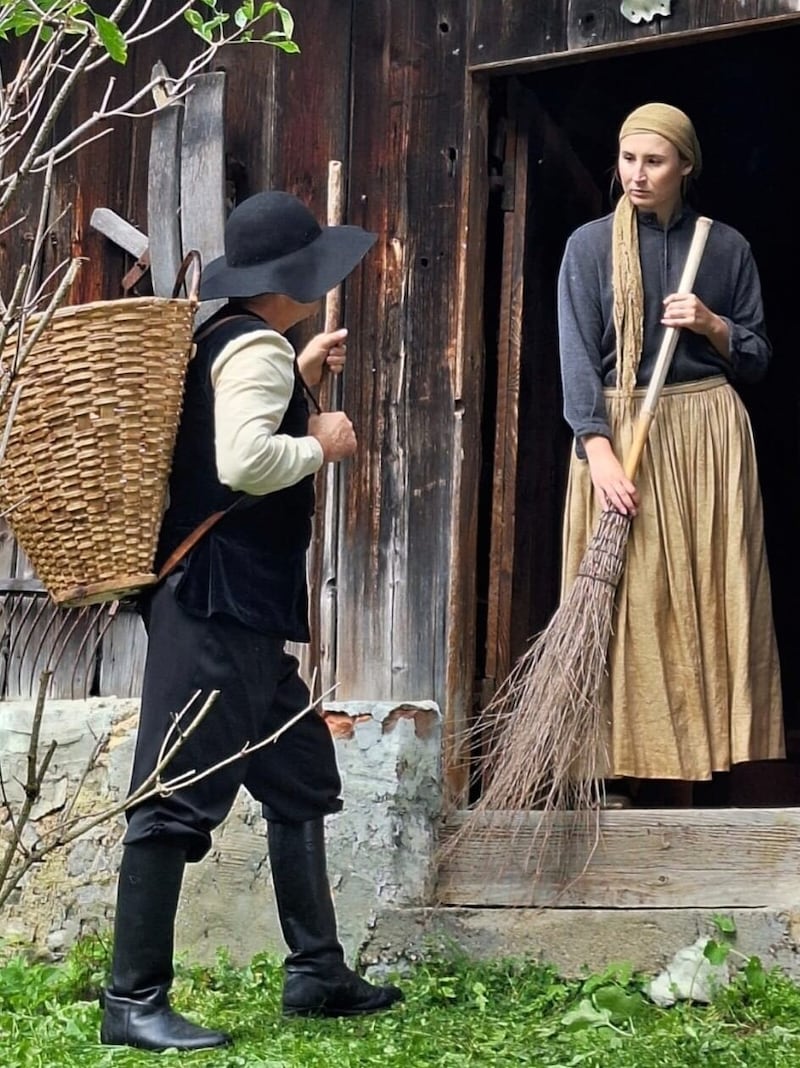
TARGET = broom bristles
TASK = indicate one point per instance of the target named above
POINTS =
(542, 734)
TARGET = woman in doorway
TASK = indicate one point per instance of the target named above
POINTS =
(693, 676)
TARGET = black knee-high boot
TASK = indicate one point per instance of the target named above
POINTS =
(136, 1009)
(318, 982)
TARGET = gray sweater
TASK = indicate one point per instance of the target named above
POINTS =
(727, 283)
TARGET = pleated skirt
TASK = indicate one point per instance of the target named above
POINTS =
(693, 682)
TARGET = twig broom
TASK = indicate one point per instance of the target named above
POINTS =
(542, 733)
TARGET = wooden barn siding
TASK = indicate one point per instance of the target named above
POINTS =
(404, 184)
(311, 112)
(509, 31)
(467, 372)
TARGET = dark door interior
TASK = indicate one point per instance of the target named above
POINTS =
(740, 94)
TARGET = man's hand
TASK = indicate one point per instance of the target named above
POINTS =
(334, 432)
(323, 350)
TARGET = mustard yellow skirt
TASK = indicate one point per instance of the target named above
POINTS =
(693, 682)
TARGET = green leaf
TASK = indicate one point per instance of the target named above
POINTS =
(755, 976)
(586, 1016)
(724, 924)
(716, 953)
(194, 18)
(287, 22)
(481, 999)
(621, 1005)
(23, 24)
(112, 38)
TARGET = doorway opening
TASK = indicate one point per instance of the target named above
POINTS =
(552, 149)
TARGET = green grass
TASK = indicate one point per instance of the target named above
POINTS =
(456, 1015)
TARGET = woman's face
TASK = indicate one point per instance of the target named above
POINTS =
(651, 172)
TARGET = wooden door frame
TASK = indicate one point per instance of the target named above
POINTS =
(675, 39)
(661, 827)
(506, 450)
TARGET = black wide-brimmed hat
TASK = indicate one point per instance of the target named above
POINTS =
(273, 244)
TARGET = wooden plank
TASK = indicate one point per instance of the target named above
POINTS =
(516, 60)
(700, 13)
(404, 184)
(466, 371)
(767, 8)
(293, 154)
(163, 197)
(96, 176)
(509, 347)
(312, 110)
(251, 132)
(597, 22)
(203, 173)
(505, 29)
(21, 585)
(714, 858)
(119, 230)
(124, 651)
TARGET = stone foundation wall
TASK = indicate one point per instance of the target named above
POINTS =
(380, 848)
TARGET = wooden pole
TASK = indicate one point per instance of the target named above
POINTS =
(331, 399)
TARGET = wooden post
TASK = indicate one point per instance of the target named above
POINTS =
(331, 399)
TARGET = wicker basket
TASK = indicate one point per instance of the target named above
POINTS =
(85, 472)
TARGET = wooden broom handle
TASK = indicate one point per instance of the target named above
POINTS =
(666, 352)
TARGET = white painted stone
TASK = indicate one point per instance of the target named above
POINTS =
(689, 976)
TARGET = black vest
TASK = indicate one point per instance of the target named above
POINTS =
(252, 564)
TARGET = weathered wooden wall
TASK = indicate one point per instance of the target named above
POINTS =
(515, 31)
(394, 114)
(386, 88)
(405, 184)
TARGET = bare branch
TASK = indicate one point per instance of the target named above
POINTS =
(40, 164)
(12, 411)
(246, 750)
(44, 317)
(41, 232)
(32, 786)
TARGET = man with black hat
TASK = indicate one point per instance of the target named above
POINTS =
(248, 448)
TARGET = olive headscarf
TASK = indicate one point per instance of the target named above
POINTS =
(671, 123)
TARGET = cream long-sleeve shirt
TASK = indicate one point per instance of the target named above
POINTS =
(253, 380)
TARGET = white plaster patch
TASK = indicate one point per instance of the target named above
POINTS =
(637, 11)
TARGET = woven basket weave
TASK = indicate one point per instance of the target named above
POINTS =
(89, 453)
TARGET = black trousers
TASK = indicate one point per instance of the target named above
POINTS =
(296, 778)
